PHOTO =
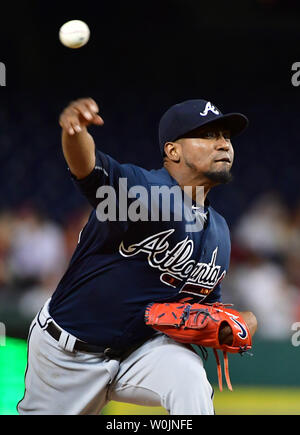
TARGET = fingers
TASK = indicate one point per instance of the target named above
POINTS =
(250, 320)
(79, 114)
(225, 334)
(69, 122)
(90, 104)
(85, 108)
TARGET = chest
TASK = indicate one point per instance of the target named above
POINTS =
(194, 262)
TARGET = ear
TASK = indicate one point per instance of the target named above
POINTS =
(173, 151)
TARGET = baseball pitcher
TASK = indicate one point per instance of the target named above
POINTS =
(140, 302)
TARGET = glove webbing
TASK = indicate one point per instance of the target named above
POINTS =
(188, 310)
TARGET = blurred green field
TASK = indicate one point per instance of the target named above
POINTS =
(258, 401)
(243, 400)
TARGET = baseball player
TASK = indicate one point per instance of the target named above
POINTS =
(92, 341)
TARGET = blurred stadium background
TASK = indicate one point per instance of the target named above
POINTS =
(142, 57)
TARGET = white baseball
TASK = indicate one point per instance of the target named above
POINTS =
(74, 34)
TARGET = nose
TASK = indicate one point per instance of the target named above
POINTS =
(222, 143)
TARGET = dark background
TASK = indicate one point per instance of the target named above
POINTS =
(143, 57)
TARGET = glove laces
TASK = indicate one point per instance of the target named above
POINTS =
(226, 366)
(226, 370)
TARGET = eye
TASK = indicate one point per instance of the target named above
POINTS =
(209, 134)
(226, 134)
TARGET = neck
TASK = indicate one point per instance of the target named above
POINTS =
(186, 177)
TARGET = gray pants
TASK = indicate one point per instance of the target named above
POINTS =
(161, 372)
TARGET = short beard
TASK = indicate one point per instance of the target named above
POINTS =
(219, 177)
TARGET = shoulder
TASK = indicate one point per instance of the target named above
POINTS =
(153, 177)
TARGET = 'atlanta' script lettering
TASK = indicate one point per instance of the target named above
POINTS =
(176, 262)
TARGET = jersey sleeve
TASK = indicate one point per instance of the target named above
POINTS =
(108, 172)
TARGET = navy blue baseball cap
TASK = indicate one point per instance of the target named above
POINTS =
(185, 117)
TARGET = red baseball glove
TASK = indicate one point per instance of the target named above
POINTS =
(200, 324)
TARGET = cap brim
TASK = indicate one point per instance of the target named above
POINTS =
(236, 123)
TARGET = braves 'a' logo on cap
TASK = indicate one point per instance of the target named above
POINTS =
(209, 107)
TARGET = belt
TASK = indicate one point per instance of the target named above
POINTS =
(55, 333)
